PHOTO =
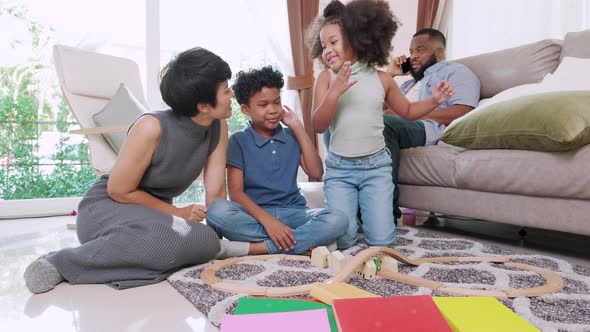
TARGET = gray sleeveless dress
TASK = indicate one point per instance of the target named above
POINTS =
(127, 245)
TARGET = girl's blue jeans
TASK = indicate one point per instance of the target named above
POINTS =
(365, 183)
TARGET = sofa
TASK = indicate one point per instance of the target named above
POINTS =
(546, 190)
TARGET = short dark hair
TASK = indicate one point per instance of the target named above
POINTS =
(433, 34)
(368, 26)
(250, 82)
(192, 78)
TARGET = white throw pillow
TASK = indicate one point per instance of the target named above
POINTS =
(517, 91)
(122, 110)
(571, 74)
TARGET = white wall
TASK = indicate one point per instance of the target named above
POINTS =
(526, 21)
(407, 12)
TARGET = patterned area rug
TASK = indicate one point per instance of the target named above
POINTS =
(568, 310)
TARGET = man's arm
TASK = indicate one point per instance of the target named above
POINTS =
(415, 110)
(448, 114)
(465, 99)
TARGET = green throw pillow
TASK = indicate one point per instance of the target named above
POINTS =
(555, 121)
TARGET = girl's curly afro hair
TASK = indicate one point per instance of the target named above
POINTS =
(368, 25)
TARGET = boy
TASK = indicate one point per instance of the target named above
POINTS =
(266, 207)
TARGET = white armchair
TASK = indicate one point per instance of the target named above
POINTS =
(89, 80)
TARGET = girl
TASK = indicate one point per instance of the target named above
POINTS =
(348, 100)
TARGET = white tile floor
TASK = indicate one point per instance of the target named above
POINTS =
(84, 307)
(151, 308)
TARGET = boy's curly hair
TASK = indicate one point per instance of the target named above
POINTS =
(368, 25)
(250, 82)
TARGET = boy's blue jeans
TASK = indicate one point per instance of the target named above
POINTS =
(311, 227)
(365, 182)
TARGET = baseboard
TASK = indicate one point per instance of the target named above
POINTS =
(32, 208)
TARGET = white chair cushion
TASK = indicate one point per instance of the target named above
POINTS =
(122, 110)
(97, 75)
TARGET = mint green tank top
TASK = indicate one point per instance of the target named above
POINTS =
(357, 127)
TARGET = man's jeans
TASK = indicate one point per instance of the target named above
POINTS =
(365, 182)
(311, 227)
(401, 134)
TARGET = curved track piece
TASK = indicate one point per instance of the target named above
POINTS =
(554, 281)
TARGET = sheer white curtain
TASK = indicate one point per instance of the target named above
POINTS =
(477, 27)
(245, 33)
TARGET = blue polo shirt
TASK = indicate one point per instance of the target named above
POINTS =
(463, 80)
(270, 166)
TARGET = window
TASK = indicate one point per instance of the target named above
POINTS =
(38, 158)
(246, 34)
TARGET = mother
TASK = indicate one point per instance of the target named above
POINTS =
(130, 233)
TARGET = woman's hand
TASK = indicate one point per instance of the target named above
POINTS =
(192, 212)
(442, 92)
(341, 82)
(280, 234)
(289, 118)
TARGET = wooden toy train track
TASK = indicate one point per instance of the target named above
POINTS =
(553, 282)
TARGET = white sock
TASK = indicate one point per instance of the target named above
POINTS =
(41, 276)
(230, 249)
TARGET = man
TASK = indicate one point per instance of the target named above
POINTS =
(428, 67)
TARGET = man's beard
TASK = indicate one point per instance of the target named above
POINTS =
(418, 75)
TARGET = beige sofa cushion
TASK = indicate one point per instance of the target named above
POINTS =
(533, 173)
(428, 165)
(507, 68)
(513, 172)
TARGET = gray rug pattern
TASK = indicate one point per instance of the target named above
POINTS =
(568, 310)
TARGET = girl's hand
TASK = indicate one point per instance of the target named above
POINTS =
(192, 212)
(341, 82)
(289, 118)
(442, 92)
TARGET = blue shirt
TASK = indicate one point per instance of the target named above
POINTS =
(270, 166)
(463, 80)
